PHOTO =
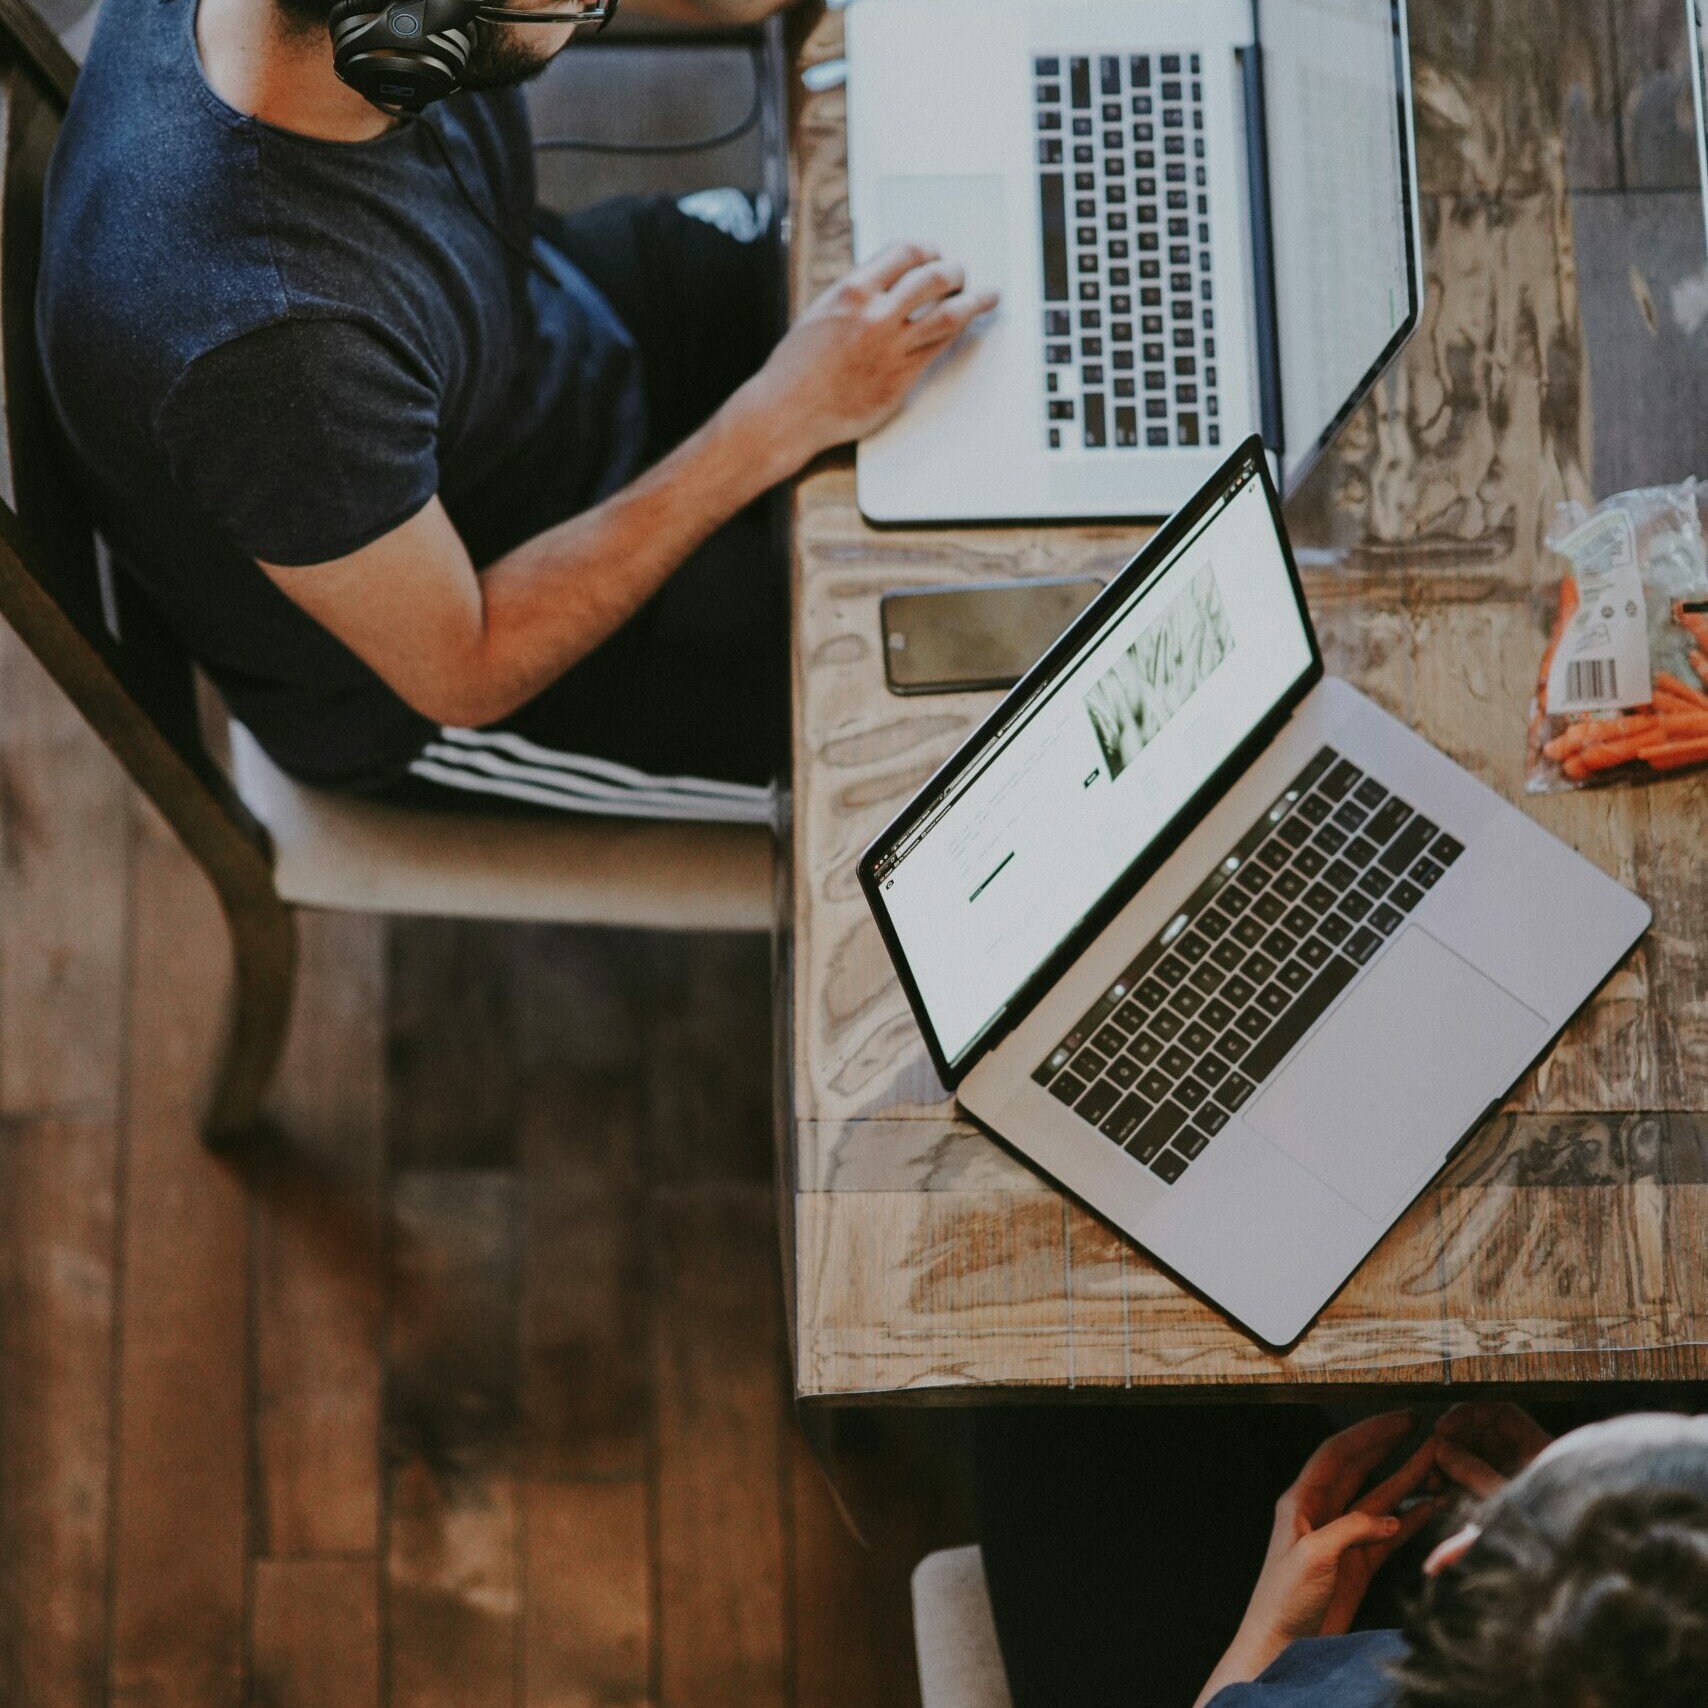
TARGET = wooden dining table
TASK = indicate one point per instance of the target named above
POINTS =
(1568, 1242)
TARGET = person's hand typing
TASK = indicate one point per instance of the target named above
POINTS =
(846, 366)
(1328, 1542)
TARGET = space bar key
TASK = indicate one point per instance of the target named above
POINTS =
(1299, 1019)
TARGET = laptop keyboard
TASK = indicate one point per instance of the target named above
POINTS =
(1213, 1005)
(1130, 314)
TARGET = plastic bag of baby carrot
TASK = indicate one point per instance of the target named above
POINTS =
(1622, 693)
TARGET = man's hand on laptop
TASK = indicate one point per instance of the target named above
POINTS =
(849, 362)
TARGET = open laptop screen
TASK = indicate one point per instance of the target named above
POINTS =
(1088, 765)
(1335, 93)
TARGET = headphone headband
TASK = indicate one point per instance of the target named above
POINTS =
(406, 54)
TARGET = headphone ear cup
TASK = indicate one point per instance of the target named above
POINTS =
(404, 55)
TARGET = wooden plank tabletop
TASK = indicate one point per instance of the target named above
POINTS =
(1569, 1242)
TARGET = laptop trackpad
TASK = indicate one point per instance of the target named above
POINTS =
(962, 216)
(1397, 1074)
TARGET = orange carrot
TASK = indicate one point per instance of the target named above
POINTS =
(1589, 732)
(1563, 614)
(1605, 755)
(1672, 756)
(1699, 663)
(1695, 624)
(1670, 684)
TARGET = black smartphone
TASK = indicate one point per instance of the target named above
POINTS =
(950, 639)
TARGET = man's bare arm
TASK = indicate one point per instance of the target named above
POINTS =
(467, 649)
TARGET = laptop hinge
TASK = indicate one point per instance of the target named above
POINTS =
(1262, 250)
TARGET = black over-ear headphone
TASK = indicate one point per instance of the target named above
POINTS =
(403, 55)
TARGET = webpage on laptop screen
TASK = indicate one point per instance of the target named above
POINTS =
(1027, 842)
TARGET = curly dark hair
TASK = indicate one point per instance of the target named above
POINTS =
(1588, 1588)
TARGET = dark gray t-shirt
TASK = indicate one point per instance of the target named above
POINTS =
(268, 347)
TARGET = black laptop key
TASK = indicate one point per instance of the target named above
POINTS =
(1386, 919)
(1089, 1063)
(1080, 72)
(1273, 1000)
(1410, 843)
(1300, 921)
(1278, 944)
(1166, 1026)
(1187, 1001)
(1375, 883)
(1362, 944)
(1314, 951)
(1269, 907)
(1190, 1093)
(1274, 854)
(1212, 1070)
(1125, 1119)
(1069, 1088)
(1314, 809)
(1193, 947)
(1259, 968)
(1370, 794)
(1206, 977)
(1052, 1065)
(1169, 1167)
(1343, 778)
(1426, 874)
(1151, 993)
(1356, 905)
(1340, 876)
(1098, 1101)
(1295, 832)
(1234, 1044)
(1129, 1017)
(1238, 992)
(1213, 922)
(1253, 1023)
(1294, 976)
(1053, 195)
(1096, 428)
(1329, 840)
(1156, 1085)
(1335, 928)
(1047, 67)
(1310, 861)
(1361, 851)
(1145, 1049)
(1140, 67)
(1109, 1041)
(1386, 824)
(1210, 1120)
(1191, 1143)
(1172, 970)
(1155, 1132)
(1235, 1090)
(1446, 849)
(1308, 1008)
(1248, 930)
(1197, 1038)
(1319, 898)
(1124, 1072)
(1350, 816)
(1288, 885)
(1236, 898)
(1217, 1015)
(1175, 1062)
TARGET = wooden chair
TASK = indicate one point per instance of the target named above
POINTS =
(265, 843)
(960, 1665)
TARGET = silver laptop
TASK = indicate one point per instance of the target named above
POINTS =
(1217, 943)
(1201, 214)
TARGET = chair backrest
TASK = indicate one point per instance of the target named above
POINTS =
(122, 669)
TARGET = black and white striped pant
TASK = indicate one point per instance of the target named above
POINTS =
(683, 714)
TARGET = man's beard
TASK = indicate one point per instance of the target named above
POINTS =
(500, 59)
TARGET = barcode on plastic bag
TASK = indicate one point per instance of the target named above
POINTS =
(1592, 679)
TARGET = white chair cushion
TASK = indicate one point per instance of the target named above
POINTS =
(960, 1665)
(356, 856)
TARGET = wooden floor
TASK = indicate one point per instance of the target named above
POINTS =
(468, 1390)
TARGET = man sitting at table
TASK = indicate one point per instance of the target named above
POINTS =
(452, 499)
(1117, 1545)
